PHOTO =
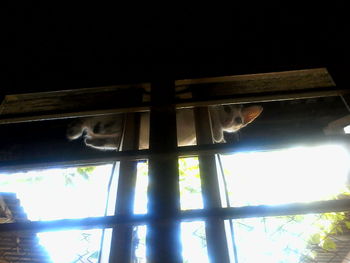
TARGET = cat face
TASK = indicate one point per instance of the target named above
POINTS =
(231, 118)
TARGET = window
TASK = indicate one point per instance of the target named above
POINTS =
(278, 187)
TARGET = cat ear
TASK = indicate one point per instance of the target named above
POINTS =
(251, 113)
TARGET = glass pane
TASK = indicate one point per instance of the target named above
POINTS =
(298, 238)
(73, 245)
(190, 184)
(347, 129)
(300, 174)
(140, 205)
(194, 244)
(144, 130)
(139, 244)
(54, 247)
(60, 193)
(186, 132)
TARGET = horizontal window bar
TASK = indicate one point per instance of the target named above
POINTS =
(185, 151)
(187, 215)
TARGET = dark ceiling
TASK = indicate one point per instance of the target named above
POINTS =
(46, 48)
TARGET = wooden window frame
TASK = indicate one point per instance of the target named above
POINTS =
(165, 215)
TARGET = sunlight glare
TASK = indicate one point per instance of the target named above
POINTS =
(347, 129)
(300, 174)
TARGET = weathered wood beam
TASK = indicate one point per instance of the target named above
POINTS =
(262, 97)
(289, 79)
(180, 104)
(264, 87)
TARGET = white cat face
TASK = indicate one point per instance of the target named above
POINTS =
(231, 118)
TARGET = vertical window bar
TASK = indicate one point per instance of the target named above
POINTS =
(121, 245)
(346, 101)
(163, 239)
(214, 228)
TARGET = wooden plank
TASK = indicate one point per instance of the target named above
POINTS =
(262, 97)
(188, 103)
(73, 114)
(186, 215)
(163, 240)
(233, 89)
(264, 82)
(69, 100)
(214, 228)
(72, 103)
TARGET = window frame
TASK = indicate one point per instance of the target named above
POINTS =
(164, 221)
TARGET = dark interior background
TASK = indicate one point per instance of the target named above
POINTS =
(46, 48)
(51, 47)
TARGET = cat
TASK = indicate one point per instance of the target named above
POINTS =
(231, 118)
(105, 132)
(100, 132)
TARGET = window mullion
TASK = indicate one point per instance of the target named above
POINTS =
(163, 239)
(215, 229)
(121, 245)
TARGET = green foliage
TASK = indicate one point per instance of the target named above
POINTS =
(72, 174)
(328, 225)
(189, 176)
(85, 171)
(328, 244)
(315, 239)
(189, 167)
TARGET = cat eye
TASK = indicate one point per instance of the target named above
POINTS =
(238, 120)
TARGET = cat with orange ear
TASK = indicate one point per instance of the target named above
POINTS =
(105, 132)
(231, 118)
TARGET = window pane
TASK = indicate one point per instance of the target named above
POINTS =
(300, 174)
(144, 130)
(73, 245)
(186, 133)
(60, 193)
(347, 129)
(139, 244)
(190, 184)
(298, 238)
(140, 205)
(54, 247)
(194, 244)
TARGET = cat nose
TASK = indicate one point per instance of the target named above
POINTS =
(238, 120)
